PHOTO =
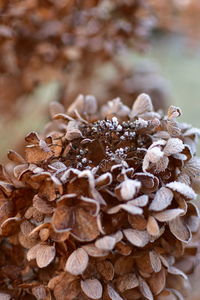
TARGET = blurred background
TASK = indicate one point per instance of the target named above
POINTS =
(53, 50)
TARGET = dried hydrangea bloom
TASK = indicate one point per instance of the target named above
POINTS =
(103, 206)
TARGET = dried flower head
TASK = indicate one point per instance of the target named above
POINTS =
(102, 206)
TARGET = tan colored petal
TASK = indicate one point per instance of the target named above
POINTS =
(155, 261)
(162, 199)
(136, 237)
(157, 282)
(180, 230)
(174, 112)
(85, 227)
(63, 218)
(182, 188)
(152, 226)
(106, 243)
(106, 269)
(168, 215)
(141, 105)
(145, 289)
(93, 251)
(127, 189)
(127, 282)
(77, 262)
(32, 252)
(113, 294)
(173, 146)
(137, 221)
(92, 288)
(45, 255)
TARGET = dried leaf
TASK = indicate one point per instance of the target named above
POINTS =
(77, 262)
(92, 288)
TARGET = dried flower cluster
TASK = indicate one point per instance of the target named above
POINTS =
(43, 40)
(102, 206)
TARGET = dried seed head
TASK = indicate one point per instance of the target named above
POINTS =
(104, 202)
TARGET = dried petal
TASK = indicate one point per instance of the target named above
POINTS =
(168, 214)
(180, 230)
(127, 282)
(182, 188)
(145, 290)
(142, 105)
(45, 255)
(92, 288)
(162, 199)
(173, 146)
(136, 237)
(113, 294)
(106, 243)
(77, 262)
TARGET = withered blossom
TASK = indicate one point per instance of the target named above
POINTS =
(102, 206)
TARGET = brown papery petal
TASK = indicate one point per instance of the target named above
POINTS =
(93, 251)
(77, 262)
(106, 269)
(136, 237)
(145, 290)
(162, 199)
(85, 227)
(106, 243)
(180, 230)
(157, 282)
(32, 252)
(166, 295)
(182, 188)
(42, 205)
(35, 154)
(155, 261)
(62, 219)
(45, 255)
(174, 112)
(113, 294)
(127, 282)
(173, 146)
(168, 214)
(152, 226)
(92, 288)
(137, 221)
(142, 105)
(15, 157)
(139, 201)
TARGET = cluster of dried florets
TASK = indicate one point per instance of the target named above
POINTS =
(102, 206)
